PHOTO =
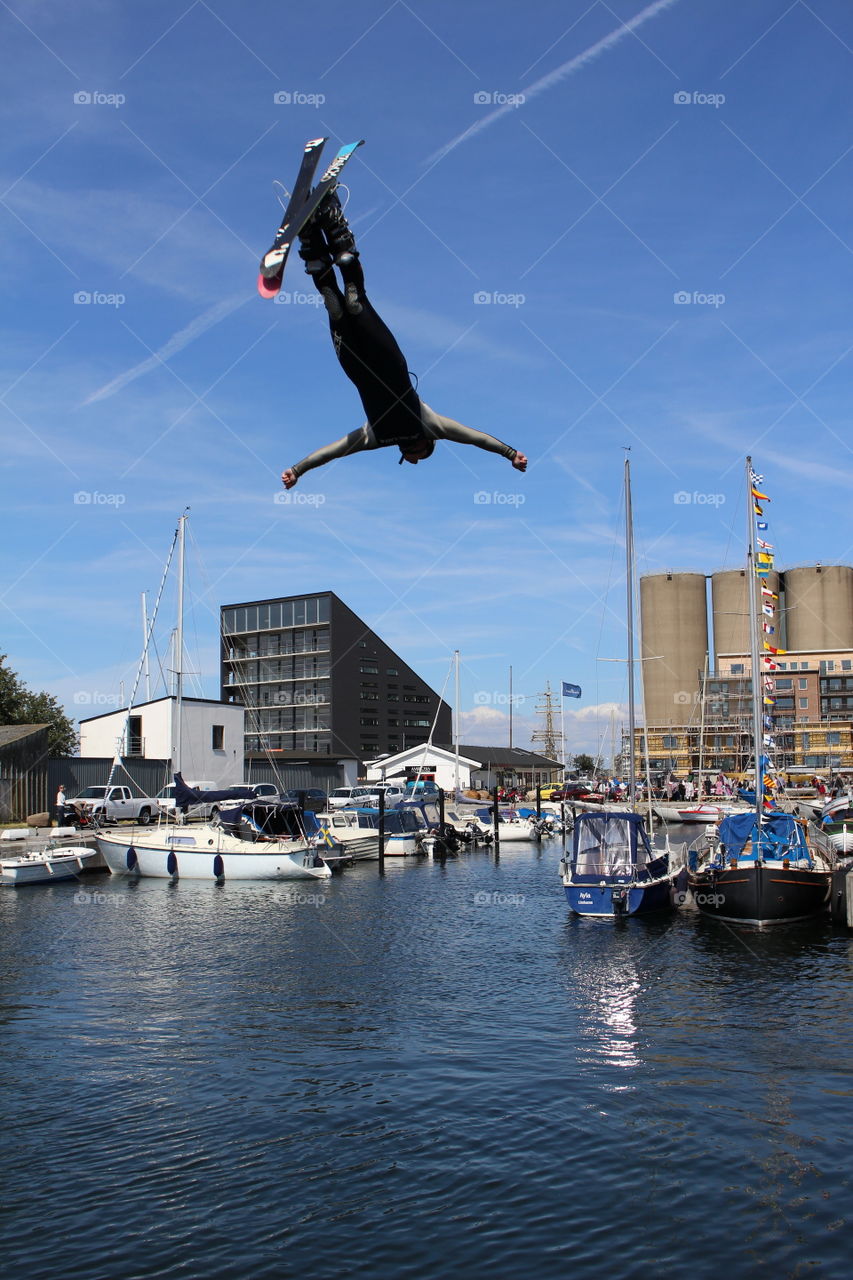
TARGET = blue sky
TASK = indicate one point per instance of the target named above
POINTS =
(698, 149)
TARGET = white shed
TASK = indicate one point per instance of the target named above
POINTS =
(211, 736)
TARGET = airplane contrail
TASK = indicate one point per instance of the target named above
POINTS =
(176, 343)
(555, 76)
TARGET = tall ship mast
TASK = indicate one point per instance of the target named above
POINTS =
(547, 737)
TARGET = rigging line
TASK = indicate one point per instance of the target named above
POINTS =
(252, 712)
(428, 743)
(140, 668)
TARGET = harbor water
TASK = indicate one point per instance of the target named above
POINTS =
(436, 1072)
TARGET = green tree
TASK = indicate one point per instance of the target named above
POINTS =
(584, 764)
(19, 705)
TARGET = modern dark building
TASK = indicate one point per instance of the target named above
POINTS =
(316, 680)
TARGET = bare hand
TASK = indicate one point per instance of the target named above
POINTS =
(519, 462)
(289, 478)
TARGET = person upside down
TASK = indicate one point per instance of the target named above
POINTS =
(372, 360)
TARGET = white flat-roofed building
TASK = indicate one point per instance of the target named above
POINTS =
(212, 735)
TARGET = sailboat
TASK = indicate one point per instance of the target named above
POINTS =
(612, 869)
(251, 840)
(758, 867)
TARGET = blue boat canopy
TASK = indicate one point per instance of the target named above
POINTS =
(607, 846)
(781, 836)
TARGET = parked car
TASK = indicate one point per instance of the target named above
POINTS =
(311, 798)
(114, 804)
(393, 794)
(571, 791)
(423, 787)
(262, 790)
(347, 795)
(165, 800)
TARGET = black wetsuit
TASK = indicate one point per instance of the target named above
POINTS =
(372, 360)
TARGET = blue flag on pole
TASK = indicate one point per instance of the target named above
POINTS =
(571, 690)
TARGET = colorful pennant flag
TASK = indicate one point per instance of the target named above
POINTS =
(762, 497)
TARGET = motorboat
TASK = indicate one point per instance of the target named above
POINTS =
(43, 866)
(612, 869)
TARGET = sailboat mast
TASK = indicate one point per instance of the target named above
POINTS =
(629, 576)
(754, 652)
(456, 725)
(179, 651)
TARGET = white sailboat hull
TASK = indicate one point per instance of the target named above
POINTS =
(209, 853)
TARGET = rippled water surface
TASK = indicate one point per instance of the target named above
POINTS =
(436, 1072)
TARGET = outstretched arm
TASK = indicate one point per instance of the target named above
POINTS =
(353, 442)
(447, 429)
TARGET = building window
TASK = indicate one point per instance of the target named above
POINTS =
(804, 684)
(737, 668)
(135, 743)
(804, 704)
(369, 669)
(392, 671)
(670, 742)
(369, 720)
(784, 684)
(846, 664)
(833, 739)
(217, 737)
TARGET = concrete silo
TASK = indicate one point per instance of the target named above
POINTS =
(730, 605)
(819, 607)
(675, 632)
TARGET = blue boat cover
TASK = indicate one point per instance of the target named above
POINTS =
(185, 796)
(781, 836)
(607, 846)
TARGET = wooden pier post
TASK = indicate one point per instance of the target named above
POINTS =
(496, 817)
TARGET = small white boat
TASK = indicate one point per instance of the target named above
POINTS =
(65, 862)
(690, 811)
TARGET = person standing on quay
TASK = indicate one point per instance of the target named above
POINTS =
(59, 811)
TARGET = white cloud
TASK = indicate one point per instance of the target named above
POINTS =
(559, 74)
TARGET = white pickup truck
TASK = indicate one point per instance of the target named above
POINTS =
(116, 804)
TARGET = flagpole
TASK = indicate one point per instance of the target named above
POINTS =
(757, 732)
(563, 726)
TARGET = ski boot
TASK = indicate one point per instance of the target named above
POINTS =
(339, 237)
(341, 242)
(314, 252)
